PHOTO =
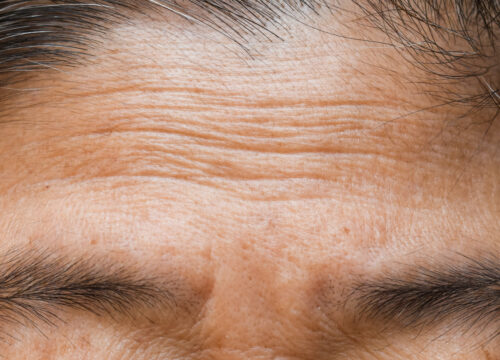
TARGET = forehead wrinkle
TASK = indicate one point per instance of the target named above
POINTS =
(146, 144)
(178, 113)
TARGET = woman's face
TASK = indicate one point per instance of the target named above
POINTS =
(183, 194)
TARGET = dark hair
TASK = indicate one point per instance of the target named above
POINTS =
(452, 39)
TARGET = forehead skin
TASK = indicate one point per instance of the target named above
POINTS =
(261, 180)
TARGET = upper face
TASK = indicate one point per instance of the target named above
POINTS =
(253, 190)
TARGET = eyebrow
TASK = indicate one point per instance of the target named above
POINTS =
(36, 285)
(462, 294)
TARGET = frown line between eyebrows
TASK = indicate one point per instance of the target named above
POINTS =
(37, 285)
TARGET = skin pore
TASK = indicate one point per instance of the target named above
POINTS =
(258, 183)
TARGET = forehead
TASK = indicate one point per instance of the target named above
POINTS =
(192, 138)
(268, 170)
(306, 111)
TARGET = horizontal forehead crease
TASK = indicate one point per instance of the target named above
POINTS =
(192, 108)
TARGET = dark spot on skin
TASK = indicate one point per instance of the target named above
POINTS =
(488, 355)
(346, 230)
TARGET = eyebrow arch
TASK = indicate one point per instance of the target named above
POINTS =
(464, 293)
(36, 285)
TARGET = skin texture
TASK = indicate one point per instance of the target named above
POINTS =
(267, 183)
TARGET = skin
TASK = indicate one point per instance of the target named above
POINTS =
(267, 184)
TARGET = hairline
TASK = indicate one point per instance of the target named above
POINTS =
(62, 35)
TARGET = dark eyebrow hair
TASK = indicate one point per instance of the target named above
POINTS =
(465, 294)
(36, 285)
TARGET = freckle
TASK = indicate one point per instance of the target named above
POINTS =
(292, 258)
(347, 230)
(488, 355)
(93, 242)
